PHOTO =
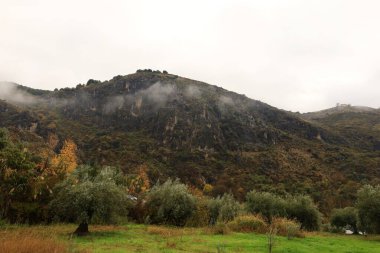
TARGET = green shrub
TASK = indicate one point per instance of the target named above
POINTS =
(265, 204)
(303, 209)
(300, 208)
(3, 223)
(368, 205)
(248, 224)
(223, 209)
(169, 203)
(345, 217)
(201, 215)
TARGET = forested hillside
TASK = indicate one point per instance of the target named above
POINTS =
(157, 125)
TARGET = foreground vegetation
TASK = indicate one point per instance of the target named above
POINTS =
(35, 191)
(145, 238)
(32, 191)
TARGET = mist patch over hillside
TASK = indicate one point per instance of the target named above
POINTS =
(11, 93)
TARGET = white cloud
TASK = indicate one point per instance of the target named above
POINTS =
(296, 55)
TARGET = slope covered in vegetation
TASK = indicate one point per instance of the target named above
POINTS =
(217, 141)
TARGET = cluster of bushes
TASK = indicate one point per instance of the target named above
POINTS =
(300, 208)
(171, 203)
(30, 190)
(248, 223)
(174, 205)
(365, 216)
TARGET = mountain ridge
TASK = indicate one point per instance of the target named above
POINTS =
(200, 133)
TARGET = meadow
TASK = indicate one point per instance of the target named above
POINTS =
(146, 238)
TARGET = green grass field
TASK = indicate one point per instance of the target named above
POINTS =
(141, 238)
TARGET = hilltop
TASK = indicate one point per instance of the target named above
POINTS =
(359, 125)
(339, 109)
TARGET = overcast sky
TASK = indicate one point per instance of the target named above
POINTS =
(295, 55)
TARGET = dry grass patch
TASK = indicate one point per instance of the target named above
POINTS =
(248, 224)
(31, 244)
(37, 239)
(288, 228)
(218, 229)
(168, 232)
(107, 228)
(165, 231)
(171, 245)
(30, 241)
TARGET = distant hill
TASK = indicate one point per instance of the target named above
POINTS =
(359, 125)
(338, 109)
(200, 133)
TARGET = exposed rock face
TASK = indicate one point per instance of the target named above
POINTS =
(182, 113)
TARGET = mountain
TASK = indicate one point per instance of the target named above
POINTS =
(338, 109)
(200, 133)
(359, 125)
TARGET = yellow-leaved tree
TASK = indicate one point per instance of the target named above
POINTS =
(140, 183)
(67, 159)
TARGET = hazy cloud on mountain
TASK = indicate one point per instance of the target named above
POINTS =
(296, 55)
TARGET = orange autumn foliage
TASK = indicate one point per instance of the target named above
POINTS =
(140, 183)
(67, 158)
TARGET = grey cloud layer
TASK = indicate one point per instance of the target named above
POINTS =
(297, 55)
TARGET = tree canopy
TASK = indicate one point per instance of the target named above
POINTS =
(170, 203)
(91, 194)
(368, 205)
(344, 217)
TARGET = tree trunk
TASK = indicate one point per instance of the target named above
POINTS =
(82, 229)
(356, 231)
(7, 204)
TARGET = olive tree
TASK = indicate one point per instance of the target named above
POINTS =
(344, 217)
(223, 209)
(267, 204)
(169, 203)
(90, 193)
(300, 207)
(303, 209)
(368, 205)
